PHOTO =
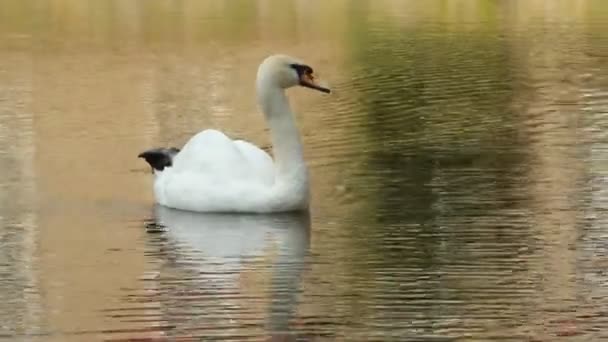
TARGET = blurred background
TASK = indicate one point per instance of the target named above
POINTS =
(459, 171)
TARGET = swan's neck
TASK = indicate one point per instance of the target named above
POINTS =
(287, 147)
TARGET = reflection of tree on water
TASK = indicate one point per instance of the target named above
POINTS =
(446, 165)
(222, 273)
(20, 292)
(438, 104)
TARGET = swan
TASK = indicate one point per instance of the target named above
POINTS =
(213, 173)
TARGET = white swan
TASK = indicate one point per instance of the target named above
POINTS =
(213, 173)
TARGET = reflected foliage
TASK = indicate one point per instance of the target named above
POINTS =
(439, 119)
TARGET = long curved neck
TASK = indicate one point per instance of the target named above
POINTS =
(286, 144)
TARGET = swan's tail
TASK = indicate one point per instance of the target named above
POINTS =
(159, 158)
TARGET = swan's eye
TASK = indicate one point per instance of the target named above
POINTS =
(302, 69)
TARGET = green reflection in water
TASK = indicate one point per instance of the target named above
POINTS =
(439, 121)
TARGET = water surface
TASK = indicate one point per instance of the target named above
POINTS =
(459, 172)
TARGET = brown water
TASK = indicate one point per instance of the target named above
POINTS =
(459, 172)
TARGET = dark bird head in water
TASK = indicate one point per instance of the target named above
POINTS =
(159, 158)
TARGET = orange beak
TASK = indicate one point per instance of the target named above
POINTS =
(308, 80)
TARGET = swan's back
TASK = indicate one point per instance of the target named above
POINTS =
(212, 154)
(207, 152)
(214, 173)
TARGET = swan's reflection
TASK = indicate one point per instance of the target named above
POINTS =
(219, 249)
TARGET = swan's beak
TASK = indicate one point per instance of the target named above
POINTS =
(308, 80)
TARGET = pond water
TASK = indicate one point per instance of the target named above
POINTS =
(459, 172)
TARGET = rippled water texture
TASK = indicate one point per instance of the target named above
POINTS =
(459, 172)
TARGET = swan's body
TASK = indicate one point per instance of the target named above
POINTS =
(213, 173)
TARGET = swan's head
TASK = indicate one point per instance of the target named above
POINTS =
(286, 72)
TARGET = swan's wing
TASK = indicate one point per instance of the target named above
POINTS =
(212, 154)
(214, 173)
(261, 162)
